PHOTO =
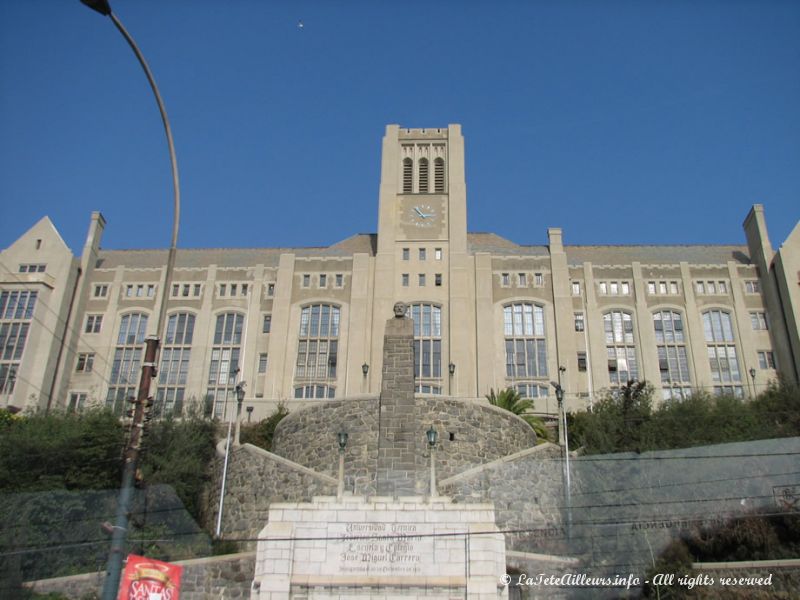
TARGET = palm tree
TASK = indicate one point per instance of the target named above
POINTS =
(510, 399)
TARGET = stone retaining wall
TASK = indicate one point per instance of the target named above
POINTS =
(256, 478)
(470, 434)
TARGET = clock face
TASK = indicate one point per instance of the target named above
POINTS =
(423, 215)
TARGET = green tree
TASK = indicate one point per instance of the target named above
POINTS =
(510, 399)
(262, 433)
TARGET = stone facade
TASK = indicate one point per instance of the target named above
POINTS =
(380, 548)
(471, 433)
(421, 254)
(256, 478)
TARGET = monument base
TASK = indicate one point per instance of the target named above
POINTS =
(380, 548)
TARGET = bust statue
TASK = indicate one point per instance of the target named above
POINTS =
(399, 310)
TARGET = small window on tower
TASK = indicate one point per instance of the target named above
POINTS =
(408, 175)
(423, 176)
(438, 175)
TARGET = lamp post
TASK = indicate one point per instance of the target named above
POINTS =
(114, 566)
(342, 439)
(239, 401)
(753, 377)
(249, 413)
(433, 436)
(563, 440)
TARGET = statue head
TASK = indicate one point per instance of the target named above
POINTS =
(399, 310)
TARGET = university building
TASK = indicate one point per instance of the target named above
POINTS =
(306, 324)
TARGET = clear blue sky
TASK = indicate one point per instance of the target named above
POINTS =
(621, 122)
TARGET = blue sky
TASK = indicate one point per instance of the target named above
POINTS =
(621, 122)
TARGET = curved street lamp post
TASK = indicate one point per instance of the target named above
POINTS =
(114, 565)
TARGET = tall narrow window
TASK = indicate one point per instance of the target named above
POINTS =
(317, 351)
(224, 366)
(16, 312)
(526, 348)
(621, 350)
(427, 347)
(673, 360)
(438, 175)
(174, 364)
(408, 176)
(127, 361)
(722, 357)
(423, 176)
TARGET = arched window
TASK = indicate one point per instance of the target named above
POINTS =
(722, 358)
(127, 361)
(438, 175)
(427, 347)
(408, 175)
(622, 364)
(673, 360)
(174, 364)
(526, 348)
(317, 351)
(224, 366)
(423, 175)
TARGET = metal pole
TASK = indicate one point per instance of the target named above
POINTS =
(434, 493)
(151, 351)
(340, 488)
(224, 477)
(120, 529)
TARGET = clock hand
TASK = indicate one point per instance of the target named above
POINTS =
(419, 212)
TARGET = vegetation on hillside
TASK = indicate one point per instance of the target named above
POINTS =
(626, 421)
(511, 400)
(59, 481)
(261, 434)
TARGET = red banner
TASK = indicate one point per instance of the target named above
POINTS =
(148, 579)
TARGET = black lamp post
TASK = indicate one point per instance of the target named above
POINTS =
(432, 436)
(452, 368)
(341, 437)
(753, 377)
(365, 369)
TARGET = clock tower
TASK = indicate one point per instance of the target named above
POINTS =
(423, 192)
(422, 255)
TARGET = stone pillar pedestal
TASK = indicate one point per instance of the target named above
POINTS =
(407, 547)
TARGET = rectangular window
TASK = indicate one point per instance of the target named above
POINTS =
(625, 288)
(662, 287)
(223, 290)
(422, 280)
(245, 289)
(404, 279)
(438, 280)
(576, 288)
(77, 402)
(197, 290)
(151, 291)
(522, 280)
(306, 280)
(406, 254)
(758, 320)
(673, 288)
(505, 280)
(323, 281)
(723, 287)
(270, 289)
(579, 322)
(752, 286)
(538, 279)
(603, 288)
(234, 289)
(422, 254)
(437, 254)
(766, 360)
(176, 289)
(93, 323)
(32, 268)
(262, 362)
(581, 361)
(651, 287)
(85, 362)
(700, 287)
(267, 324)
(339, 281)
(100, 291)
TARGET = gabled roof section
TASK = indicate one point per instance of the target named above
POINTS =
(44, 230)
(495, 244)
